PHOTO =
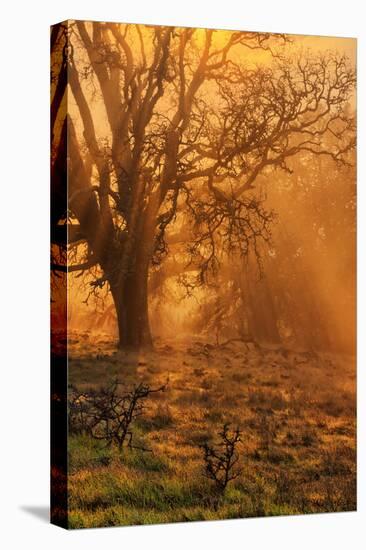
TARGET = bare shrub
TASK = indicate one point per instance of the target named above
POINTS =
(221, 459)
(108, 414)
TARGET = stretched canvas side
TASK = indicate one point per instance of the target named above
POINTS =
(59, 330)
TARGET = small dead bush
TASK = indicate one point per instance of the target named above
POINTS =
(221, 459)
(108, 414)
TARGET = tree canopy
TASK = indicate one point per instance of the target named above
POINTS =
(169, 131)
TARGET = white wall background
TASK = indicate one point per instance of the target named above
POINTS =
(24, 264)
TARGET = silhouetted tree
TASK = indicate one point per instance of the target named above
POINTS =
(181, 127)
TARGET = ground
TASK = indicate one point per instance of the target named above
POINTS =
(295, 410)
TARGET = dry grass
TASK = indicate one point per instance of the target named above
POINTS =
(298, 444)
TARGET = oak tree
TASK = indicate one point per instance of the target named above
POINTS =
(171, 128)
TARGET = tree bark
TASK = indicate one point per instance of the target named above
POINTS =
(131, 303)
(130, 295)
(260, 307)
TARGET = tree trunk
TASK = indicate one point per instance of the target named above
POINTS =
(131, 302)
(260, 308)
(131, 296)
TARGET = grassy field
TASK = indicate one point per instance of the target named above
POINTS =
(296, 412)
